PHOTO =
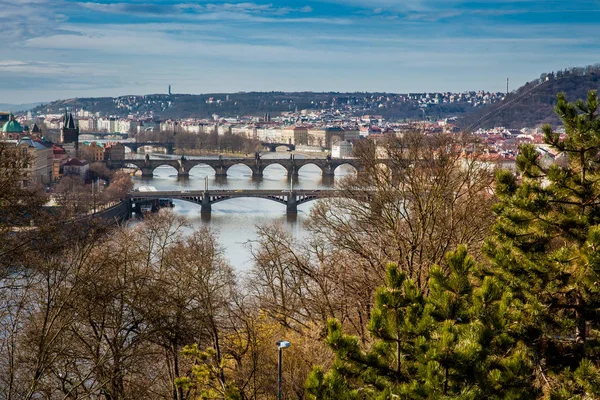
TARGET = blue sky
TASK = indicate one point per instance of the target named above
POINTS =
(57, 49)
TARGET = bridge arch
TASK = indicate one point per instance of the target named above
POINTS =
(130, 165)
(134, 146)
(310, 166)
(285, 147)
(343, 166)
(202, 165)
(166, 164)
(276, 167)
(274, 146)
(241, 167)
(158, 146)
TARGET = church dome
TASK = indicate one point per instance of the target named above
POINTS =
(12, 126)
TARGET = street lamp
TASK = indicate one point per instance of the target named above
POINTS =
(281, 344)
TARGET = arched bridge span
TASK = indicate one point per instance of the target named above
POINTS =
(222, 165)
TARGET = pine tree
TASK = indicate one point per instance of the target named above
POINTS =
(546, 248)
(454, 343)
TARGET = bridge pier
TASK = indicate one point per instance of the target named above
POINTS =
(292, 203)
(129, 208)
(221, 171)
(147, 172)
(328, 171)
(257, 172)
(292, 172)
(183, 173)
(206, 206)
(327, 180)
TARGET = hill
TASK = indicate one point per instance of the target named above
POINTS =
(390, 106)
(532, 105)
(17, 107)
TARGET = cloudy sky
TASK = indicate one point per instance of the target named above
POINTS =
(57, 49)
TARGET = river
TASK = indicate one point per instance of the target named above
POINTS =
(235, 220)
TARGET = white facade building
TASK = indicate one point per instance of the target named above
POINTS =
(341, 149)
(126, 126)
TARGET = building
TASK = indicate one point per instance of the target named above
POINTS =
(36, 132)
(59, 157)
(351, 134)
(76, 167)
(126, 126)
(93, 151)
(69, 133)
(12, 129)
(88, 124)
(333, 134)
(296, 135)
(342, 149)
(40, 159)
(114, 151)
(317, 137)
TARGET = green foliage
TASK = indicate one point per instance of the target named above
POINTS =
(545, 248)
(207, 379)
(455, 342)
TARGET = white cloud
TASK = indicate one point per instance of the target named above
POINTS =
(189, 9)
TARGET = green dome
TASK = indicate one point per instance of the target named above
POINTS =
(12, 126)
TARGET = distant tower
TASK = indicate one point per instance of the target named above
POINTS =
(507, 86)
(169, 90)
(69, 132)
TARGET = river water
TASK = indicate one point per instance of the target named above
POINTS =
(235, 220)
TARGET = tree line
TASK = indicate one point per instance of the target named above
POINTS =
(213, 142)
(438, 278)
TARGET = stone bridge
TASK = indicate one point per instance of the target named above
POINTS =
(222, 165)
(206, 198)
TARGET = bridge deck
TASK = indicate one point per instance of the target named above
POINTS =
(229, 192)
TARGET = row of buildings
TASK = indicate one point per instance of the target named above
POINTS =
(46, 161)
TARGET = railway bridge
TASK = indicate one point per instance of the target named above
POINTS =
(206, 198)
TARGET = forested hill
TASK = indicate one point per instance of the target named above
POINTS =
(390, 106)
(532, 105)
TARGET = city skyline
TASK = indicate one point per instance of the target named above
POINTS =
(66, 48)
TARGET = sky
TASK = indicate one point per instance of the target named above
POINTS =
(59, 49)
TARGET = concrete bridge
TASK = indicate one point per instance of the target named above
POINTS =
(221, 165)
(206, 198)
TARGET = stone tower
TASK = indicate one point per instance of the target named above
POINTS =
(69, 132)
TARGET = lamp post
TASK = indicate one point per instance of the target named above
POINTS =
(281, 344)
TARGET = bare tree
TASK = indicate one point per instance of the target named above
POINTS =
(416, 197)
(426, 195)
(20, 203)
